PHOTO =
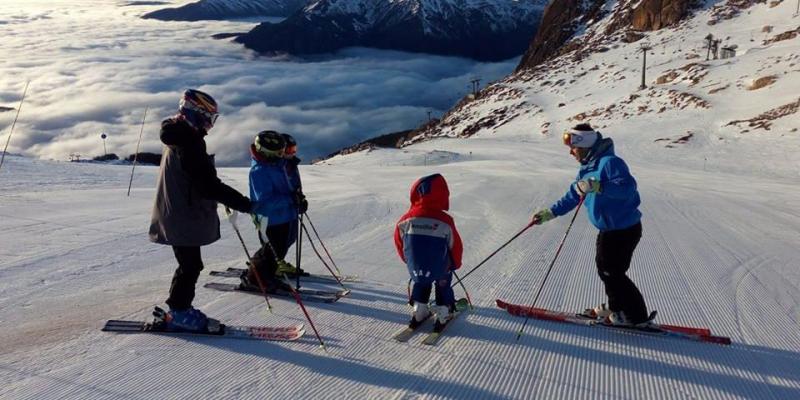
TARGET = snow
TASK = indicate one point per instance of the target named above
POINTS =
(719, 250)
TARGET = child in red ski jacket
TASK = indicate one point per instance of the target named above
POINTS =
(428, 242)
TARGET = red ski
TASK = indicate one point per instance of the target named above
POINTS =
(684, 332)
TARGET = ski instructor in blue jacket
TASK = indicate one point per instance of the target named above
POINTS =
(612, 204)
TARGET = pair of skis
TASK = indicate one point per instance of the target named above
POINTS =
(674, 331)
(213, 329)
(432, 338)
(237, 272)
(313, 295)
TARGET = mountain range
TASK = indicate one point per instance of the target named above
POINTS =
(226, 9)
(486, 30)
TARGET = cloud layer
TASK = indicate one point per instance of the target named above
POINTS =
(94, 66)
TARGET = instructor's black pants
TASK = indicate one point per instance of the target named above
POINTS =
(613, 258)
(181, 292)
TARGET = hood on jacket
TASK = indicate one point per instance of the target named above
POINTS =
(600, 148)
(431, 192)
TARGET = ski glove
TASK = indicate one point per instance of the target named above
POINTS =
(301, 202)
(584, 187)
(260, 224)
(232, 215)
(542, 216)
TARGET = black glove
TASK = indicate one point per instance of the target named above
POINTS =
(301, 202)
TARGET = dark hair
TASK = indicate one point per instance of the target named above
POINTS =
(583, 127)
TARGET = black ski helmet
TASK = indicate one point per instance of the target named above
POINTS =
(270, 144)
(291, 144)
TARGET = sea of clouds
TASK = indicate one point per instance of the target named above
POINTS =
(94, 66)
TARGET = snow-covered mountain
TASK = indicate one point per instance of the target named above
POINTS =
(479, 29)
(585, 64)
(224, 9)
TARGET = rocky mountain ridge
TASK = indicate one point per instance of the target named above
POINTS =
(226, 9)
(487, 30)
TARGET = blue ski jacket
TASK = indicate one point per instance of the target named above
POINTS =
(616, 206)
(271, 190)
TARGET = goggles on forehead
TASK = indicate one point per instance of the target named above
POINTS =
(567, 138)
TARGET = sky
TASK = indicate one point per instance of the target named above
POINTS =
(94, 66)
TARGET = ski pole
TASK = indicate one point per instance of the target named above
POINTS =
(19, 108)
(298, 248)
(296, 296)
(495, 252)
(550, 268)
(249, 264)
(136, 154)
(322, 244)
(313, 247)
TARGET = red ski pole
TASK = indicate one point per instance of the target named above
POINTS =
(550, 268)
(296, 296)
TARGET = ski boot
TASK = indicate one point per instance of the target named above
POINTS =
(249, 283)
(420, 314)
(185, 320)
(600, 312)
(443, 315)
(274, 285)
(286, 268)
(620, 319)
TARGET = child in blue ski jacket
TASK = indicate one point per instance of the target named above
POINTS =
(293, 173)
(612, 203)
(274, 210)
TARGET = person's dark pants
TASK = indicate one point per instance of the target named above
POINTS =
(421, 291)
(614, 252)
(265, 260)
(181, 292)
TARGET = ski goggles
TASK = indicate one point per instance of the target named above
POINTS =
(584, 139)
(567, 139)
(208, 115)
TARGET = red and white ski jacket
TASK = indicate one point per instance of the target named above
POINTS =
(425, 236)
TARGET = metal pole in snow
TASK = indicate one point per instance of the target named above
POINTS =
(550, 268)
(136, 154)
(5, 149)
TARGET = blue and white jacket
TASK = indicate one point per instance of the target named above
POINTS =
(616, 206)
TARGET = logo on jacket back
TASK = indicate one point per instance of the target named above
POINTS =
(430, 227)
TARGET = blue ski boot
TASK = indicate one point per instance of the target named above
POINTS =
(187, 320)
